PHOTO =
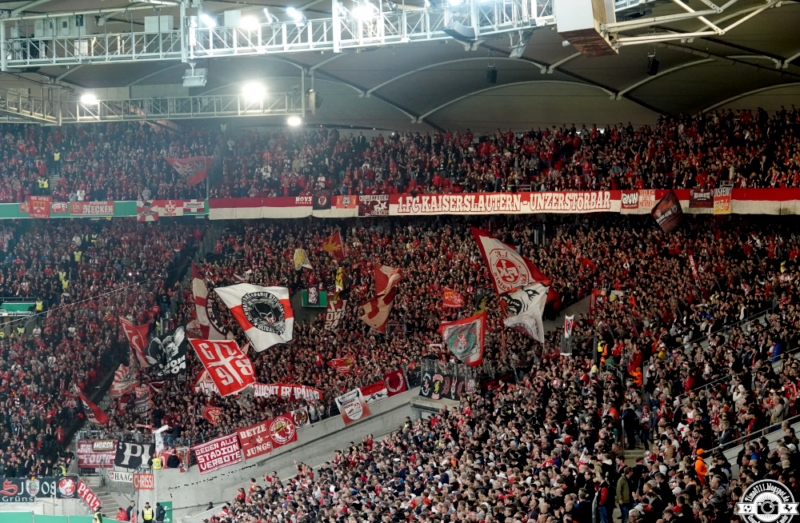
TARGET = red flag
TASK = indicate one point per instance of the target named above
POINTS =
(342, 365)
(194, 169)
(376, 310)
(39, 207)
(508, 268)
(231, 370)
(211, 413)
(451, 298)
(395, 382)
(375, 392)
(93, 412)
(586, 262)
(137, 337)
(333, 244)
(124, 382)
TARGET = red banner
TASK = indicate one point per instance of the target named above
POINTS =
(333, 244)
(630, 199)
(230, 369)
(451, 298)
(395, 382)
(211, 414)
(143, 482)
(345, 202)
(89, 459)
(39, 207)
(218, 453)
(261, 438)
(701, 199)
(88, 496)
(373, 205)
(59, 208)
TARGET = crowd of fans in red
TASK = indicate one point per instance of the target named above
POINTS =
(126, 161)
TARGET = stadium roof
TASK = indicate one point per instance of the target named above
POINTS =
(442, 84)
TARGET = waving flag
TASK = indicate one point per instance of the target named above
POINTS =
(137, 337)
(231, 370)
(333, 244)
(301, 260)
(376, 310)
(194, 169)
(334, 314)
(211, 414)
(465, 338)
(208, 330)
(525, 307)
(508, 268)
(451, 298)
(124, 382)
(93, 412)
(167, 353)
(264, 313)
(342, 365)
(375, 392)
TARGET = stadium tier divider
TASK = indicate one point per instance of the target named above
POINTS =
(30, 517)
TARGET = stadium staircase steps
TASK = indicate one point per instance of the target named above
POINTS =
(53, 179)
(102, 492)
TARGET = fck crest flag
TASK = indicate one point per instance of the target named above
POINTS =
(333, 244)
(228, 367)
(194, 169)
(465, 338)
(264, 313)
(376, 311)
(508, 268)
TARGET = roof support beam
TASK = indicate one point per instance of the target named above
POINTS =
(27, 6)
(748, 93)
(660, 75)
(554, 66)
(791, 59)
(69, 72)
(495, 87)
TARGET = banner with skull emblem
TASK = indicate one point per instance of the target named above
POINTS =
(264, 313)
(167, 353)
(465, 338)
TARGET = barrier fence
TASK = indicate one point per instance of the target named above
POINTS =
(30, 517)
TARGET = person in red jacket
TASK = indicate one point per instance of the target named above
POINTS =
(122, 515)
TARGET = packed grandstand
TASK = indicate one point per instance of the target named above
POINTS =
(212, 329)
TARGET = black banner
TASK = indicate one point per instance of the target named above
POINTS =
(168, 353)
(133, 455)
(24, 490)
(668, 212)
(322, 200)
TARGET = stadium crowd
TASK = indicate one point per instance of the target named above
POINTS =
(549, 447)
(125, 161)
(81, 276)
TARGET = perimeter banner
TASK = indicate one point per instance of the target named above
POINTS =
(218, 453)
(503, 203)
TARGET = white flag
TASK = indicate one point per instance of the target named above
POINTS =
(525, 307)
(264, 313)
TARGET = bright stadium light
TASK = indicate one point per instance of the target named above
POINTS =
(249, 22)
(208, 21)
(88, 99)
(294, 121)
(295, 15)
(271, 18)
(454, 3)
(254, 92)
(363, 11)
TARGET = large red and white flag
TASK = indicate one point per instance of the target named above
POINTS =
(88, 496)
(375, 392)
(93, 412)
(207, 329)
(335, 247)
(342, 365)
(264, 313)
(137, 337)
(508, 268)
(376, 310)
(194, 169)
(231, 370)
(124, 382)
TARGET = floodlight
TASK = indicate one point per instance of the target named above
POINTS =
(294, 121)
(249, 22)
(363, 11)
(253, 92)
(208, 21)
(271, 18)
(454, 3)
(296, 15)
(88, 99)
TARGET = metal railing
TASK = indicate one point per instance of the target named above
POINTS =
(743, 439)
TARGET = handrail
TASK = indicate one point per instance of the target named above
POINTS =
(730, 444)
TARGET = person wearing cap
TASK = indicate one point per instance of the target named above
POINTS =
(700, 466)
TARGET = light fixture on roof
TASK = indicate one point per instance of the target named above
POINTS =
(364, 11)
(455, 3)
(208, 21)
(295, 15)
(89, 99)
(271, 18)
(249, 23)
(195, 77)
(254, 92)
(294, 121)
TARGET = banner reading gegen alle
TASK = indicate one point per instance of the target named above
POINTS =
(218, 453)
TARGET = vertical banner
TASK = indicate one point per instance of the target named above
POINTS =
(39, 207)
(694, 269)
(722, 200)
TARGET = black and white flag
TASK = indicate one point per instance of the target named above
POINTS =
(132, 455)
(168, 353)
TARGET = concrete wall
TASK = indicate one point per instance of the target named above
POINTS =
(190, 492)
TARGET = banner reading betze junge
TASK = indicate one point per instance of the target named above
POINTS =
(261, 438)
(218, 453)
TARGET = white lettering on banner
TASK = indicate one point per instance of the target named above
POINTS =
(513, 203)
(143, 482)
(304, 200)
(88, 496)
(218, 453)
(647, 199)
